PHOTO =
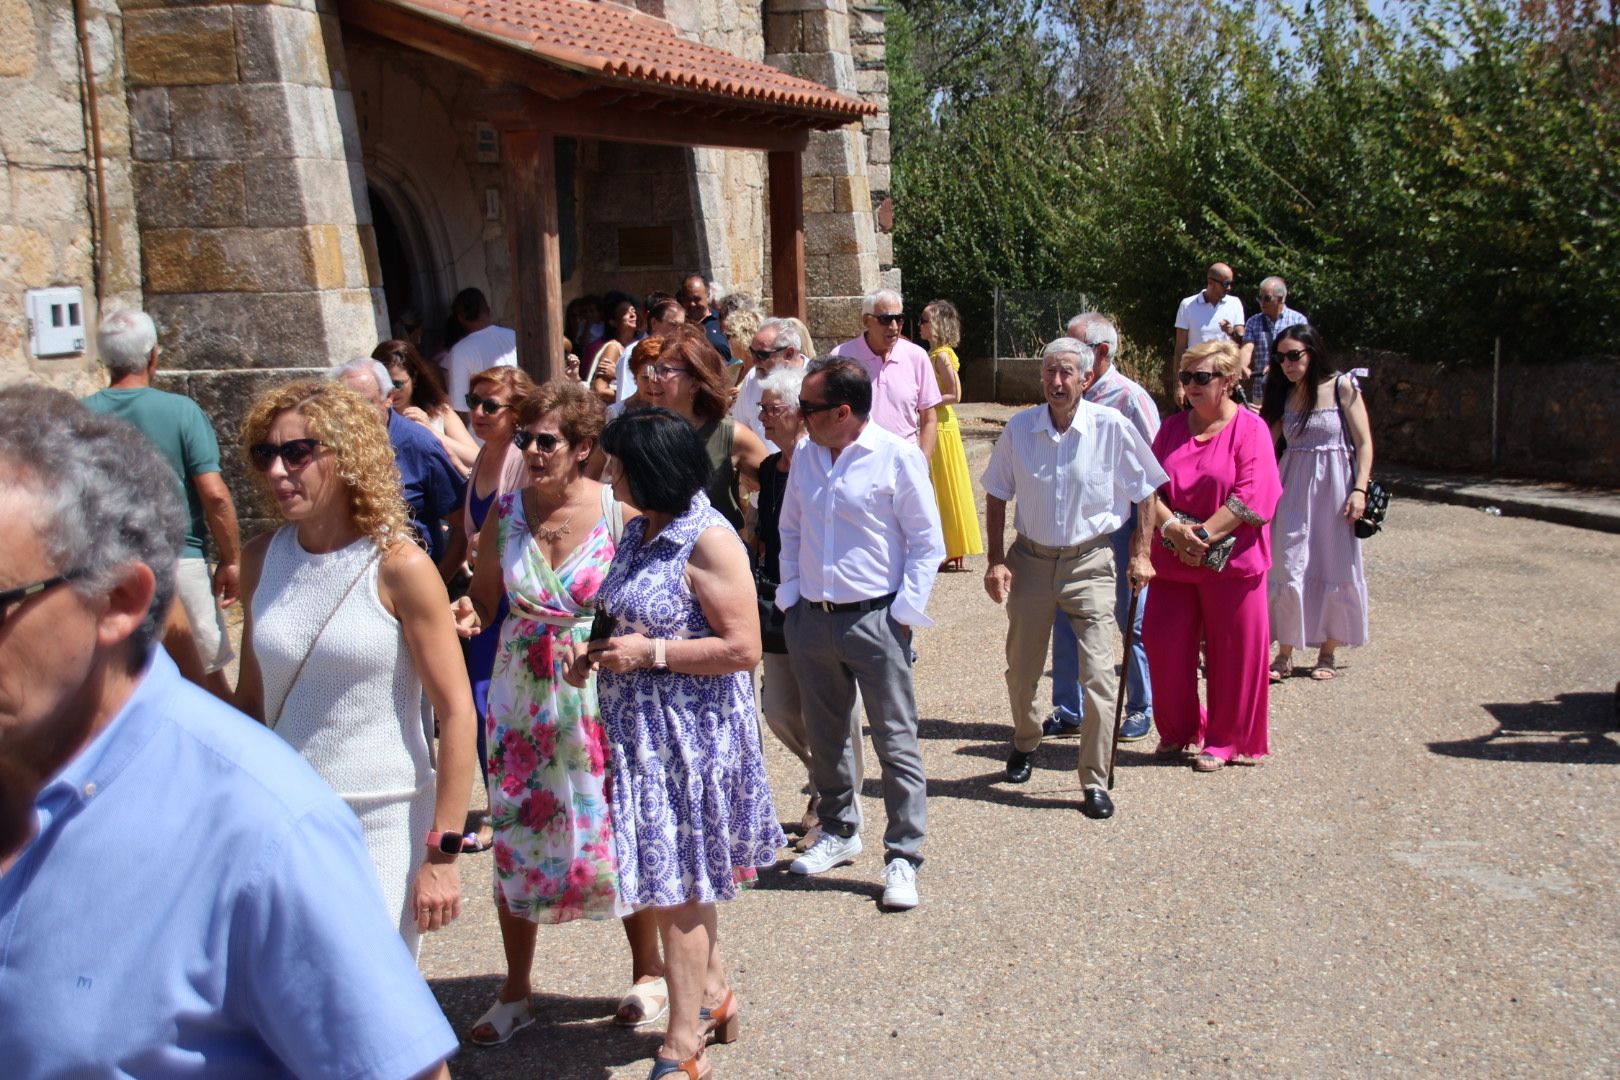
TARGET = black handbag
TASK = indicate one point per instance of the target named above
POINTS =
(1372, 517)
(772, 619)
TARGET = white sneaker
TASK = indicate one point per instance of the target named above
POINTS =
(900, 885)
(828, 851)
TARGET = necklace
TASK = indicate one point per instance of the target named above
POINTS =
(549, 536)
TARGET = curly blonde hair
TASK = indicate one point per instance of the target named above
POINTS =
(344, 421)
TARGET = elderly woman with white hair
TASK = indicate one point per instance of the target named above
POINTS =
(432, 482)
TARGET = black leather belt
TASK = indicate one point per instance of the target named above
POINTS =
(876, 604)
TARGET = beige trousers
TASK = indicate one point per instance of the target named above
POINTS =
(1079, 581)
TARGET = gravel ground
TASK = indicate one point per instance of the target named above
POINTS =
(1421, 881)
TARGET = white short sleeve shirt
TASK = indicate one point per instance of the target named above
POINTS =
(1202, 319)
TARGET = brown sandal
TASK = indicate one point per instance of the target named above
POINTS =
(1207, 762)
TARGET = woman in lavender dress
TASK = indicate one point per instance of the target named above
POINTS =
(1318, 590)
(692, 810)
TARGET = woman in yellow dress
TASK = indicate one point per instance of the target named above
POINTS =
(953, 487)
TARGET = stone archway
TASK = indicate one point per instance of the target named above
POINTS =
(412, 250)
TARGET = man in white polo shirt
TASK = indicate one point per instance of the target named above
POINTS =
(1200, 318)
(1074, 469)
(484, 346)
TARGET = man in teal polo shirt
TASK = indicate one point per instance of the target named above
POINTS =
(128, 345)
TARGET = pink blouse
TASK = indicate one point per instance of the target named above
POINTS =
(1238, 463)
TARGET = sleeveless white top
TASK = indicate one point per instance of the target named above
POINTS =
(355, 711)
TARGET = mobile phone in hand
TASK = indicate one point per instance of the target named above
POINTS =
(602, 625)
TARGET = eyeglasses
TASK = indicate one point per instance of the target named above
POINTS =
(545, 440)
(1223, 284)
(489, 405)
(810, 408)
(1293, 355)
(890, 320)
(663, 372)
(296, 453)
(1267, 298)
(771, 412)
(23, 592)
(762, 355)
(1202, 378)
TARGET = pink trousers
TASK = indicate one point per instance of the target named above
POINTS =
(1230, 616)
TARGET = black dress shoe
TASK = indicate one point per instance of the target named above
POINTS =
(1096, 804)
(1018, 767)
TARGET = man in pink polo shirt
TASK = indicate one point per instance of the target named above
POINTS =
(904, 389)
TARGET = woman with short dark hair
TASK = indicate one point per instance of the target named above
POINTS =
(692, 809)
(1318, 590)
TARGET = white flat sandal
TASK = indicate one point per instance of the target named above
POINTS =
(643, 996)
(505, 1018)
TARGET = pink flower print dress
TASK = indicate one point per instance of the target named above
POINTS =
(554, 858)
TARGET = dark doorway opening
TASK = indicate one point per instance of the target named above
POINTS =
(393, 257)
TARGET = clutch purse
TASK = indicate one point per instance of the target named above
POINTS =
(1218, 553)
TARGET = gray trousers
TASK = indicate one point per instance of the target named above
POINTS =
(834, 654)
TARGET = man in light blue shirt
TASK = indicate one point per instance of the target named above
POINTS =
(1261, 330)
(186, 897)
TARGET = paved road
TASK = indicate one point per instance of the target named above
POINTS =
(1422, 881)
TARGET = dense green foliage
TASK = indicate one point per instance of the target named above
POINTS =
(1423, 185)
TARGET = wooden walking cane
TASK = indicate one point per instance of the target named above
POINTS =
(1124, 679)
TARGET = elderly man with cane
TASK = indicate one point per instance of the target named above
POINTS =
(1074, 470)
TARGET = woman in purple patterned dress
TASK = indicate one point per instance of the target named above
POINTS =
(692, 810)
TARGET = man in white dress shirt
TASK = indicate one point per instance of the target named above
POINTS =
(1074, 470)
(484, 346)
(775, 344)
(861, 544)
(1204, 316)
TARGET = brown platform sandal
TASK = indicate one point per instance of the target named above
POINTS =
(722, 1021)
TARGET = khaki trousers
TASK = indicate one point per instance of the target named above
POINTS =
(1078, 581)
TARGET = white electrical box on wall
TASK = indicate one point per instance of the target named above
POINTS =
(55, 321)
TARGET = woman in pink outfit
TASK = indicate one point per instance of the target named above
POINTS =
(1223, 481)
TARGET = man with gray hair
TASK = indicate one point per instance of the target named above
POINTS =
(127, 341)
(1112, 390)
(904, 386)
(775, 344)
(261, 948)
(1261, 330)
(1074, 470)
(433, 485)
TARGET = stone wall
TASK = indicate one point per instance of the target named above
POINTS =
(1556, 421)
(47, 179)
(625, 185)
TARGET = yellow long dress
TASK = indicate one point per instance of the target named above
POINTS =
(953, 487)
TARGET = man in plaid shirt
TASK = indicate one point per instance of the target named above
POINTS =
(1262, 329)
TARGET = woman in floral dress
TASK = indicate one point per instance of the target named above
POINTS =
(692, 810)
(548, 547)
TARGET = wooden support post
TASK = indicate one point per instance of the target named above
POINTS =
(786, 168)
(531, 198)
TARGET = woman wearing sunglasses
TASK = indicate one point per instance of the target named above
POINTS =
(549, 545)
(498, 469)
(346, 627)
(1318, 590)
(1208, 565)
(689, 379)
(418, 397)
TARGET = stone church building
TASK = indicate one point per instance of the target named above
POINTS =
(276, 181)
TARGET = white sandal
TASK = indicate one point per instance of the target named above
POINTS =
(642, 997)
(505, 1018)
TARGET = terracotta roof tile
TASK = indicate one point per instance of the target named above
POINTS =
(617, 43)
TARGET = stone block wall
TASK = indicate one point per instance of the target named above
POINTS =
(48, 232)
(843, 257)
(257, 245)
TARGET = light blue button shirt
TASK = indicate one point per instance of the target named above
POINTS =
(197, 902)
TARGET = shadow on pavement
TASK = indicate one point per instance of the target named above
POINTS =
(1572, 729)
(781, 879)
(575, 1037)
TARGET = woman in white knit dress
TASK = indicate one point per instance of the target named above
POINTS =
(347, 625)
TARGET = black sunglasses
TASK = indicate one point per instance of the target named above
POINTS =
(23, 592)
(890, 320)
(1293, 354)
(1202, 378)
(763, 355)
(489, 405)
(545, 440)
(810, 408)
(295, 452)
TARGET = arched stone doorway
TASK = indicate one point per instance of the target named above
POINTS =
(410, 252)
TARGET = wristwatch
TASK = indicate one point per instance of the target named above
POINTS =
(450, 843)
(659, 663)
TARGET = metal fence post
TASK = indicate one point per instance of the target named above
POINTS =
(995, 348)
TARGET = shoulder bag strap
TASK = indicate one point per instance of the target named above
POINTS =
(613, 512)
(272, 721)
